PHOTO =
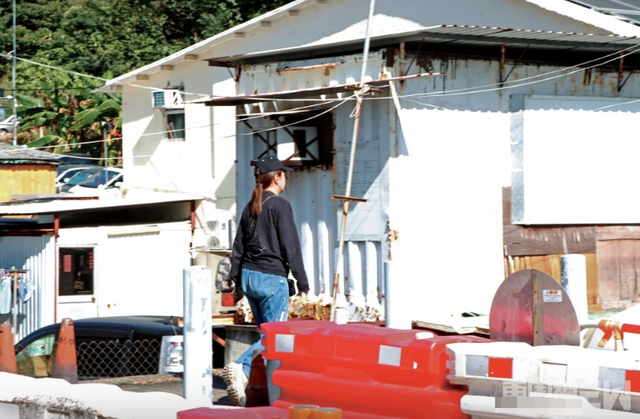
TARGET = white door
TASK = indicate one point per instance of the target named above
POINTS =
(76, 283)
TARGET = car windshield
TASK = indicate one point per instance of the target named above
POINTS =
(80, 177)
(36, 359)
(100, 178)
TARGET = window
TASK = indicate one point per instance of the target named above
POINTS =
(76, 271)
(264, 144)
(36, 359)
(297, 140)
(175, 124)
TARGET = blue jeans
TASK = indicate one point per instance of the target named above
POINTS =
(268, 297)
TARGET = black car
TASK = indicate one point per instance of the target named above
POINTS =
(105, 347)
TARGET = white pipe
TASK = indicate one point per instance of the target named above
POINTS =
(198, 348)
(367, 38)
(574, 280)
(397, 314)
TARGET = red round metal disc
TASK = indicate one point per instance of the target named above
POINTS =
(530, 306)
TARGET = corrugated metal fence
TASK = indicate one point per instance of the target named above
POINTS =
(36, 255)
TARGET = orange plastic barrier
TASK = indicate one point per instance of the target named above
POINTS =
(65, 364)
(365, 370)
(7, 352)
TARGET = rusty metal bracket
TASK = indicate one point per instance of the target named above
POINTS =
(503, 61)
(622, 82)
(348, 198)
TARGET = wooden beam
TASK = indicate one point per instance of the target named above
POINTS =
(166, 67)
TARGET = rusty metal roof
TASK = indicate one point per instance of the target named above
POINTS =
(52, 204)
(306, 93)
(442, 34)
(11, 154)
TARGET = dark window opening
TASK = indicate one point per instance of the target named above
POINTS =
(175, 122)
(76, 271)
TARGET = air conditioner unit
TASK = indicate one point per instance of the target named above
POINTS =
(219, 234)
(167, 99)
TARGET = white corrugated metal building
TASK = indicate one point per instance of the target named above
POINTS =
(533, 95)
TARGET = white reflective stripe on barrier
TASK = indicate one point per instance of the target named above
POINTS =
(559, 365)
(551, 406)
(285, 343)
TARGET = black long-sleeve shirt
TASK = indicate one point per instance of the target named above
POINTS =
(274, 247)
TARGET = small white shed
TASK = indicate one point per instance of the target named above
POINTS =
(88, 258)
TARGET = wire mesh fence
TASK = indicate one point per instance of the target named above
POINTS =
(95, 357)
(116, 358)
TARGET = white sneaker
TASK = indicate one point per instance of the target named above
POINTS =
(236, 382)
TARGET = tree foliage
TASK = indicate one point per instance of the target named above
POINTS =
(79, 43)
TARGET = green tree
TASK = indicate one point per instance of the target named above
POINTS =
(59, 40)
(69, 123)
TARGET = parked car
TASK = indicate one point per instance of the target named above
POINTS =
(78, 178)
(6, 126)
(104, 179)
(105, 347)
(118, 346)
(66, 172)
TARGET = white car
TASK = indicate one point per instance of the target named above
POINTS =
(107, 179)
(6, 126)
(65, 173)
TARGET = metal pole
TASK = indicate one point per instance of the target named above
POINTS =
(354, 141)
(198, 348)
(13, 79)
(106, 128)
(345, 210)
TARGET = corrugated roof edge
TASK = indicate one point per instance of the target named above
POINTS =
(589, 16)
(13, 154)
(203, 45)
(563, 7)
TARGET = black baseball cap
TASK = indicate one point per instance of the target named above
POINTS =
(269, 164)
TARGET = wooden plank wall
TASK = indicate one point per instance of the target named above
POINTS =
(612, 251)
(541, 248)
(550, 264)
(26, 179)
(618, 250)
